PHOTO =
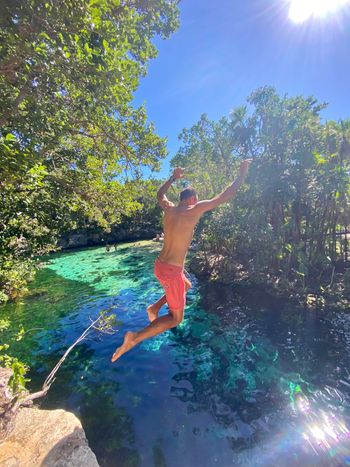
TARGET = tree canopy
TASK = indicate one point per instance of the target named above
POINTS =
(71, 142)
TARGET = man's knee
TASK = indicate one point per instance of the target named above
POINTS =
(177, 318)
(188, 284)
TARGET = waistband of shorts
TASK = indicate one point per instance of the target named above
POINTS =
(173, 266)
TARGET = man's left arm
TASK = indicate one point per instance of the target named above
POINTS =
(207, 205)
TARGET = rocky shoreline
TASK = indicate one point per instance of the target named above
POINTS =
(215, 269)
(46, 437)
(86, 239)
(30, 436)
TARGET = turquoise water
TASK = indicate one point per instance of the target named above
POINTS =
(242, 381)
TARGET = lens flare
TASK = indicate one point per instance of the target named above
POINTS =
(302, 10)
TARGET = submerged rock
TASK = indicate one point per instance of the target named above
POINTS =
(47, 438)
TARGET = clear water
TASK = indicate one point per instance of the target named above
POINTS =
(241, 382)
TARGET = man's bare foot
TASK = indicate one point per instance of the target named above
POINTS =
(127, 345)
(152, 312)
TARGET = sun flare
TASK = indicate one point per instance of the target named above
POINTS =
(302, 10)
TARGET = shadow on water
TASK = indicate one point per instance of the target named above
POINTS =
(244, 380)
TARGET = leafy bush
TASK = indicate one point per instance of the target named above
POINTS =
(19, 369)
(14, 276)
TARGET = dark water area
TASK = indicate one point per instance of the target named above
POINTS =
(243, 381)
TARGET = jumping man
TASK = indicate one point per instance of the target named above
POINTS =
(179, 224)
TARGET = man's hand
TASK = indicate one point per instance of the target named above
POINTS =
(244, 167)
(178, 173)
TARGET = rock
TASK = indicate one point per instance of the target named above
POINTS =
(126, 232)
(7, 415)
(47, 438)
(94, 239)
(77, 240)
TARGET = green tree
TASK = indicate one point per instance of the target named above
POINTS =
(71, 143)
(282, 227)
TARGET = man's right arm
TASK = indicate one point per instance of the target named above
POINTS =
(226, 195)
(161, 196)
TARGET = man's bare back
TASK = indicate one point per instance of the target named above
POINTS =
(179, 224)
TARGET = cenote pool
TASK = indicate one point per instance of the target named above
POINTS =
(241, 381)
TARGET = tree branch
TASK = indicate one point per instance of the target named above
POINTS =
(51, 376)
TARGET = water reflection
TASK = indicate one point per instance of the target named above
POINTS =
(323, 428)
(237, 376)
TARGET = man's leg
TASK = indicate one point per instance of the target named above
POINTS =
(153, 310)
(157, 326)
(188, 284)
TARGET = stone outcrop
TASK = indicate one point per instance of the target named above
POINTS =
(84, 239)
(46, 438)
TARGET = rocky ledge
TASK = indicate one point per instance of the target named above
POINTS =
(46, 438)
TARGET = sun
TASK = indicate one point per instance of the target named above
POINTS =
(302, 10)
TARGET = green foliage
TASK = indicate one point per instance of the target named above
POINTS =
(4, 324)
(107, 322)
(71, 144)
(18, 380)
(282, 226)
(14, 275)
(149, 215)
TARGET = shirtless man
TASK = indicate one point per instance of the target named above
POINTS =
(179, 224)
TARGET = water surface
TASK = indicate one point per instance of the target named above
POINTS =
(242, 381)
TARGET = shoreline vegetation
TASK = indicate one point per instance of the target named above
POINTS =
(213, 269)
(73, 145)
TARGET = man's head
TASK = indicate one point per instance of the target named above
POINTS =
(188, 196)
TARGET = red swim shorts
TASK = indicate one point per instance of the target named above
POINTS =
(172, 279)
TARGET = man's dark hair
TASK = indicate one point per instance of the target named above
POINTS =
(187, 193)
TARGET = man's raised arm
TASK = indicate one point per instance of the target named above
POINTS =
(162, 199)
(229, 193)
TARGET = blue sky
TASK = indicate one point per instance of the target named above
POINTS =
(223, 50)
